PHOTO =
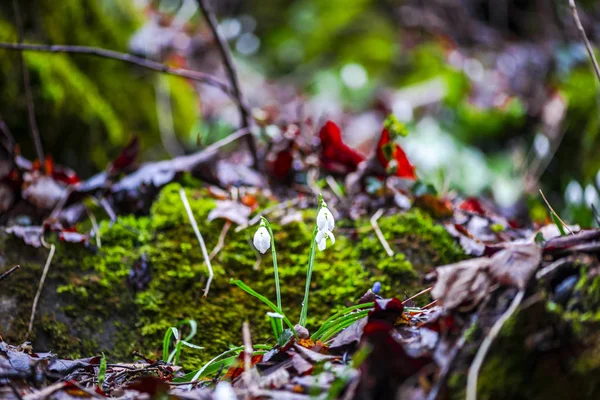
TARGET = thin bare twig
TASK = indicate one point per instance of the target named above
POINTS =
(231, 72)
(128, 58)
(554, 212)
(417, 295)
(190, 215)
(33, 128)
(587, 43)
(487, 343)
(40, 287)
(10, 271)
(221, 241)
(379, 234)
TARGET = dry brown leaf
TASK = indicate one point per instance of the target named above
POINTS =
(464, 284)
(514, 265)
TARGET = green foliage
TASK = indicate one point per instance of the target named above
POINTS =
(94, 104)
(102, 371)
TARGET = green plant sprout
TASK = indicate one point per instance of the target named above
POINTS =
(174, 332)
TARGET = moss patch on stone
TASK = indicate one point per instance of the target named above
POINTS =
(87, 295)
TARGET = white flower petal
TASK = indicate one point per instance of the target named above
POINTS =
(322, 218)
(320, 236)
(330, 221)
(321, 245)
(331, 237)
(262, 240)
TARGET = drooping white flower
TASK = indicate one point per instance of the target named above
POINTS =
(262, 240)
(325, 219)
(321, 239)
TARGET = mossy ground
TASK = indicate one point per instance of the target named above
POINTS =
(544, 352)
(88, 306)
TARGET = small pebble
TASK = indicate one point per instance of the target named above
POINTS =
(376, 287)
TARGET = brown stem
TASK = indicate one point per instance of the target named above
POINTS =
(588, 46)
(33, 128)
(231, 72)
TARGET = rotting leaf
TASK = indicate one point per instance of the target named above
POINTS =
(31, 235)
(349, 336)
(514, 265)
(463, 284)
(230, 210)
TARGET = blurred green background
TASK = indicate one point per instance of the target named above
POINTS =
(499, 97)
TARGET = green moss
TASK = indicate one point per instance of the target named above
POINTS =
(95, 301)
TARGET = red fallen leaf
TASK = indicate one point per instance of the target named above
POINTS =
(336, 156)
(388, 151)
(281, 165)
(127, 156)
(387, 310)
(387, 365)
(471, 204)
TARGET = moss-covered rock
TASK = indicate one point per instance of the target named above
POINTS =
(88, 305)
(544, 351)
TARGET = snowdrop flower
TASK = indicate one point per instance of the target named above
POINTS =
(321, 239)
(325, 219)
(262, 240)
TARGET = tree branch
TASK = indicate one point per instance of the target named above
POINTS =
(231, 72)
(587, 43)
(128, 58)
(33, 128)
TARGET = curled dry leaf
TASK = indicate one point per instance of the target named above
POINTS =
(514, 265)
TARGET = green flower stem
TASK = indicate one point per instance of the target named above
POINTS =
(311, 261)
(275, 269)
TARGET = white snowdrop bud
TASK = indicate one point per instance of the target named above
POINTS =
(262, 240)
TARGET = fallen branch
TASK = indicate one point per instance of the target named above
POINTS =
(128, 58)
(10, 271)
(190, 215)
(487, 343)
(587, 43)
(231, 73)
(40, 287)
